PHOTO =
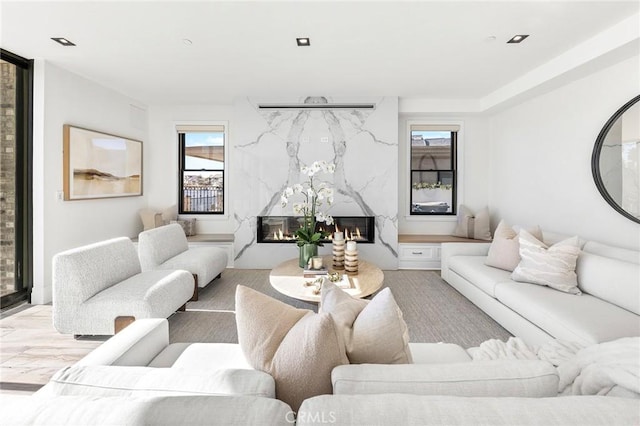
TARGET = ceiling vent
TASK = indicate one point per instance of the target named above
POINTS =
(316, 103)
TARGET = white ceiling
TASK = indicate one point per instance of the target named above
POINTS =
(419, 49)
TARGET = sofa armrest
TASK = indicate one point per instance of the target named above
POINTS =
(459, 249)
(515, 378)
(136, 345)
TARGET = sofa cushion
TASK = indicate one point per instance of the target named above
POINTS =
(110, 380)
(374, 332)
(583, 319)
(156, 410)
(474, 226)
(206, 262)
(533, 379)
(402, 409)
(297, 347)
(613, 280)
(432, 353)
(504, 252)
(612, 252)
(207, 356)
(474, 270)
(553, 266)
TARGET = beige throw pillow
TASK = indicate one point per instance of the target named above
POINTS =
(374, 332)
(296, 346)
(504, 252)
(474, 226)
(553, 266)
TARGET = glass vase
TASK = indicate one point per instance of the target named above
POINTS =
(307, 251)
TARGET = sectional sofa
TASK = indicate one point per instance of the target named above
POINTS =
(607, 309)
(137, 377)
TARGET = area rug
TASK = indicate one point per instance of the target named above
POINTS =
(433, 310)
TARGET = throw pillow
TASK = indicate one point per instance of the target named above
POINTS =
(188, 226)
(374, 332)
(504, 252)
(150, 219)
(153, 219)
(473, 226)
(553, 266)
(296, 346)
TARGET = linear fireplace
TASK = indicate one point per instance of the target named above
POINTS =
(281, 229)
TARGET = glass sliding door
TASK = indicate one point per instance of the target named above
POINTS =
(15, 178)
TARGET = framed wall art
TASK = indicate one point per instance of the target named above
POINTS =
(100, 165)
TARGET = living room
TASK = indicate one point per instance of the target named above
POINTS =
(526, 115)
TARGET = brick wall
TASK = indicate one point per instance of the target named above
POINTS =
(7, 175)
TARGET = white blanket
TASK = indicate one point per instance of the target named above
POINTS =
(611, 368)
(555, 351)
(599, 369)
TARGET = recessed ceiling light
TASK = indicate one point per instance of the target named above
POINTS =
(518, 38)
(303, 41)
(187, 42)
(63, 41)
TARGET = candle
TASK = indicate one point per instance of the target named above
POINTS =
(338, 236)
(351, 246)
(316, 262)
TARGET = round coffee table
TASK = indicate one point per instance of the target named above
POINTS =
(287, 279)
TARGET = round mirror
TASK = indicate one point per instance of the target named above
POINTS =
(615, 161)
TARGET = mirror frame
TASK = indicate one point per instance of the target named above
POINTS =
(595, 160)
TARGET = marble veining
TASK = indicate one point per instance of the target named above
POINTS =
(271, 145)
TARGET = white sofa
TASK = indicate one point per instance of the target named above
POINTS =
(167, 247)
(211, 383)
(608, 309)
(95, 284)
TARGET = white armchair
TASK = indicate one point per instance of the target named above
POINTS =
(167, 247)
(95, 285)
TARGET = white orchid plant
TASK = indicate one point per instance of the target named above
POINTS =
(315, 194)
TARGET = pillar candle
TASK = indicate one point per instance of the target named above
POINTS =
(351, 246)
(338, 236)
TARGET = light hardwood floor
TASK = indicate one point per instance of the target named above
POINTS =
(31, 350)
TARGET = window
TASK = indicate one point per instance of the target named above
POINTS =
(202, 169)
(16, 82)
(433, 169)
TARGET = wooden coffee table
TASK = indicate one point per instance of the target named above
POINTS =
(287, 279)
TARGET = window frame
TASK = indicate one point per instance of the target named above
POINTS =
(23, 265)
(202, 127)
(458, 186)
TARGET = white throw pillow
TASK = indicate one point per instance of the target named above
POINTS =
(296, 346)
(504, 252)
(374, 331)
(553, 266)
(474, 226)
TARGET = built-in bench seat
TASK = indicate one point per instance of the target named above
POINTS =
(422, 251)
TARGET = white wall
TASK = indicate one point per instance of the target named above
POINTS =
(473, 171)
(162, 171)
(65, 98)
(541, 158)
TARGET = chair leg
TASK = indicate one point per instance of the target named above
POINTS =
(194, 298)
(121, 322)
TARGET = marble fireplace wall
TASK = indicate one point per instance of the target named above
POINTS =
(268, 148)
